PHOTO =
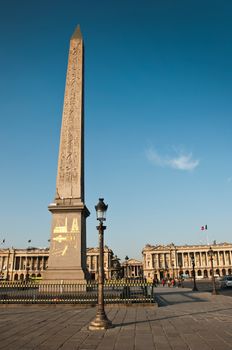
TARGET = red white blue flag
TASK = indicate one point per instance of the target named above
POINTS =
(204, 228)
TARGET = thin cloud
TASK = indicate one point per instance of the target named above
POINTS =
(181, 161)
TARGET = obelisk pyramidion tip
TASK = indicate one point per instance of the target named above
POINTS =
(77, 34)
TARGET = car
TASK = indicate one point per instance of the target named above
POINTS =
(226, 281)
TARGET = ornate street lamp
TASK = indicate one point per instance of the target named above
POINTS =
(101, 321)
(115, 267)
(126, 259)
(194, 273)
(210, 253)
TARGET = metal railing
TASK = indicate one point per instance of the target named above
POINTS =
(115, 292)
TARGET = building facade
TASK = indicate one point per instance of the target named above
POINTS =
(132, 268)
(93, 262)
(159, 261)
(164, 261)
(30, 263)
(20, 264)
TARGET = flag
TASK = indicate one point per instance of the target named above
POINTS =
(29, 240)
(204, 228)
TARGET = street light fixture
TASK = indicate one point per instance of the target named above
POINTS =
(210, 253)
(195, 289)
(115, 267)
(101, 321)
(126, 259)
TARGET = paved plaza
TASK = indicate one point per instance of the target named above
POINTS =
(184, 320)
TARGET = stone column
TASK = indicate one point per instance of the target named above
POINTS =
(224, 259)
(158, 260)
(188, 258)
(182, 259)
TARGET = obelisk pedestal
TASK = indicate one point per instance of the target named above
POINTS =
(67, 256)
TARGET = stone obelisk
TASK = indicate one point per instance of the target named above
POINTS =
(67, 257)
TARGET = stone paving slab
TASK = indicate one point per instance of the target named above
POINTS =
(187, 320)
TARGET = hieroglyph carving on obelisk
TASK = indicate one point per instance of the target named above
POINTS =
(67, 256)
(70, 178)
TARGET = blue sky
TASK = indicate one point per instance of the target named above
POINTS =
(158, 83)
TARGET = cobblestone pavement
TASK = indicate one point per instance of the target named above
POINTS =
(185, 320)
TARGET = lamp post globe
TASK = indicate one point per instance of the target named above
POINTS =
(101, 209)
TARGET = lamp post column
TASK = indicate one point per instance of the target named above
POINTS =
(214, 291)
(126, 272)
(210, 253)
(101, 310)
(195, 289)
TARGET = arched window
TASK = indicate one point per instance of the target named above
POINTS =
(16, 277)
(199, 273)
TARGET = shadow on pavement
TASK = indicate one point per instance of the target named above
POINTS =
(171, 317)
(165, 298)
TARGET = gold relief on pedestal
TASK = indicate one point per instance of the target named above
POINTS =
(64, 250)
(65, 234)
(60, 239)
(75, 226)
(61, 229)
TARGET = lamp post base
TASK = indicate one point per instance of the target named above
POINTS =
(215, 292)
(100, 322)
(195, 289)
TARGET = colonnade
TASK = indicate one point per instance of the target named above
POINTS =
(172, 261)
(183, 259)
(16, 265)
(132, 270)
